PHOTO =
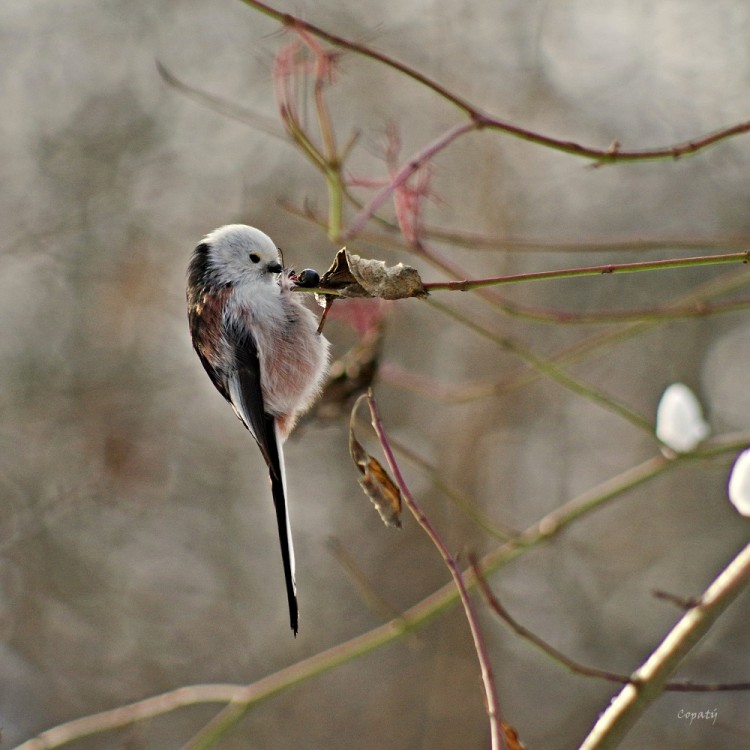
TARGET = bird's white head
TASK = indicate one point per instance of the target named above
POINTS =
(237, 254)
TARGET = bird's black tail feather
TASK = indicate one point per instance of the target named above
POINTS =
(287, 552)
(275, 459)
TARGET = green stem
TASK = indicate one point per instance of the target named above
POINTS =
(610, 268)
(550, 370)
(335, 188)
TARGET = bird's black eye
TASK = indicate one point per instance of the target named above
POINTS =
(254, 257)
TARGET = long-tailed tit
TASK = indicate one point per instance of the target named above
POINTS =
(260, 348)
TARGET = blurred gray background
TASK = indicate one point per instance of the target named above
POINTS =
(137, 544)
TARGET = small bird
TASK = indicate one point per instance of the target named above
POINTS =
(260, 347)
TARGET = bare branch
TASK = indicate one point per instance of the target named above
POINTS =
(482, 120)
(131, 713)
(222, 106)
(648, 681)
(492, 703)
(583, 669)
(609, 268)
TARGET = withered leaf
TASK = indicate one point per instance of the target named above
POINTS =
(338, 276)
(377, 485)
(349, 376)
(353, 276)
(512, 740)
(388, 282)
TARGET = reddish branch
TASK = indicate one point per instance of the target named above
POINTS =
(583, 669)
(482, 120)
(497, 738)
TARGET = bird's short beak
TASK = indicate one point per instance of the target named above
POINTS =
(274, 267)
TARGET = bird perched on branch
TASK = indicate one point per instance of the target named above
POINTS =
(260, 347)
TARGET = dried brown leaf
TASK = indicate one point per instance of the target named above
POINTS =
(349, 376)
(376, 484)
(512, 740)
(353, 276)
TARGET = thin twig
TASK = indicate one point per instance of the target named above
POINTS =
(681, 602)
(608, 317)
(648, 681)
(550, 369)
(482, 120)
(476, 241)
(583, 669)
(402, 175)
(722, 284)
(609, 268)
(129, 714)
(368, 593)
(490, 692)
(222, 106)
(460, 498)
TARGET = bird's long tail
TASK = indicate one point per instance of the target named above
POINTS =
(278, 490)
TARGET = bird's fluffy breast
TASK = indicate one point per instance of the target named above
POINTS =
(293, 356)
